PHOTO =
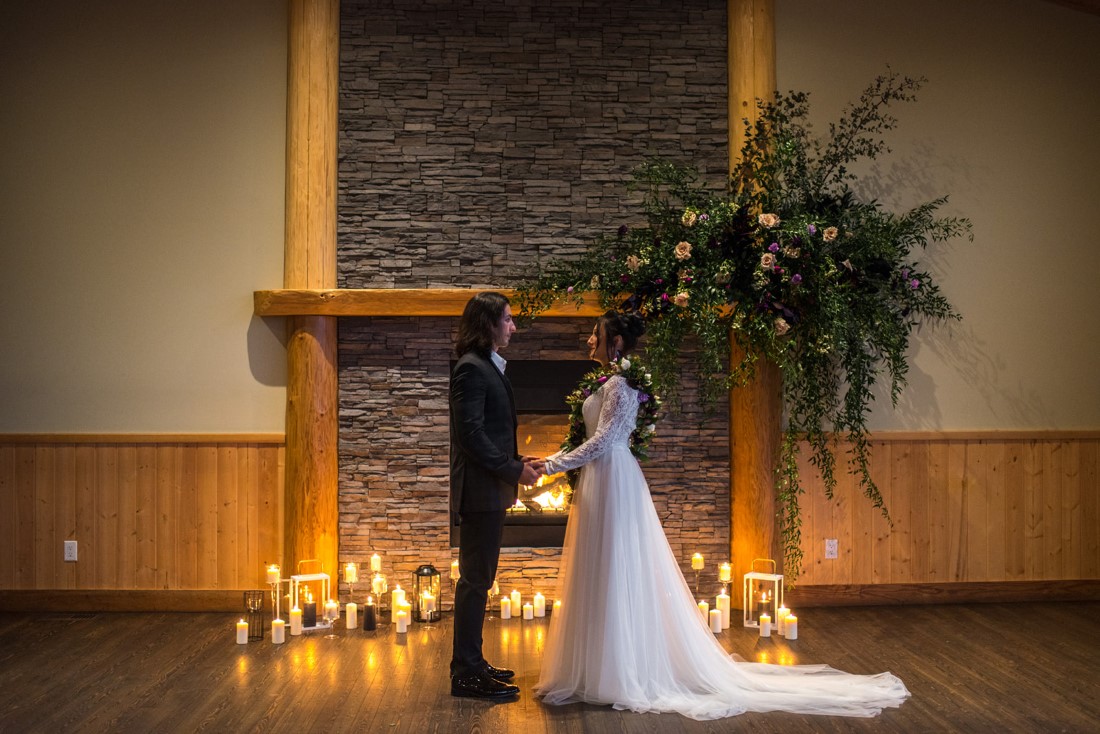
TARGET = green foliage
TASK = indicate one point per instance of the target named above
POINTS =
(791, 263)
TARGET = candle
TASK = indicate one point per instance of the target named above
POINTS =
(722, 604)
(697, 562)
(309, 614)
(332, 610)
(791, 627)
(505, 608)
(375, 563)
(455, 575)
(351, 615)
(724, 573)
(496, 588)
(557, 606)
(351, 573)
(765, 625)
(295, 621)
(273, 574)
(378, 585)
(402, 618)
(540, 605)
(517, 602)
(704, 608)
(278, 631)
(370, 615)
(781, 621)
(715, 621)
(397, 597)
(528, 611)
(242, 632)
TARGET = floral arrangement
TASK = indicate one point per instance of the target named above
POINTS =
(649, 406)
(791, 264)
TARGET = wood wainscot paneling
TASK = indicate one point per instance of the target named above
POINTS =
(984, 509)
(149, 512)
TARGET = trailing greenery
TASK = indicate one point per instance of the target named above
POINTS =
(792, 263)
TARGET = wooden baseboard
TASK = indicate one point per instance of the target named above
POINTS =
(978, 592)
(124, 600)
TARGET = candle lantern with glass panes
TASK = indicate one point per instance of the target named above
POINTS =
(426, 588)
(763, 593)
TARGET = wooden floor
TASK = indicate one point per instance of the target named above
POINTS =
(975, 668)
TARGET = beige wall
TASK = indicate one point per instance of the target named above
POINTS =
(1007, 126)
(141, 203)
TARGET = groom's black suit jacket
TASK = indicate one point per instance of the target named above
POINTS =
(485, 463)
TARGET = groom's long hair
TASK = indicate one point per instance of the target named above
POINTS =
(481, 316)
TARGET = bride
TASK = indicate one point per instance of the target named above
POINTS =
(628, 632)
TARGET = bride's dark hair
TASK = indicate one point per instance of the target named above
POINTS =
(629, 326)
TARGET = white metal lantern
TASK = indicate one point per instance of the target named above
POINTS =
(763, 593)
(319, 581)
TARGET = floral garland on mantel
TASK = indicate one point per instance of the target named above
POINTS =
(792, 263)
(649, 406)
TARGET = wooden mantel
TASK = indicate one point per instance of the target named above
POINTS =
(393, 302)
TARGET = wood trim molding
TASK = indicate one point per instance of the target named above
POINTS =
(974, 592)
(392, 302)
(135, 438)
(125, 600)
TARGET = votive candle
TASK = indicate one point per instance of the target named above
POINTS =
(351, 573)
(455, 574)
(724, 573)
(697, 562)
(375, 563)
(273, 574)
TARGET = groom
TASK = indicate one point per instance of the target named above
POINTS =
(485, 471)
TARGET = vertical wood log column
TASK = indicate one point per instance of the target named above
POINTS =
(755, 410)
(311, 516)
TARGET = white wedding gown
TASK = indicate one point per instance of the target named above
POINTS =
(629, 632)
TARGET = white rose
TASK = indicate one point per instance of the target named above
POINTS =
(625, 363)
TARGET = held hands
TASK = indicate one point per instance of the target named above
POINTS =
(533, 468)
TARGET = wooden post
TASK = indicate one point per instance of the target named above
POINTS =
(755, 409)
(311, 518)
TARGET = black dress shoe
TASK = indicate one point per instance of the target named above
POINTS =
(480, 685)
(501, 674)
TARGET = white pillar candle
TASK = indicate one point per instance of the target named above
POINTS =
(505, 607)
(427, 605)
(332, 609)
(540, 605)
(697, 562)
(722, 604)
(455, 575)
(278, 631)
(375, 563)
(724, 574)
(791, 627)
(704, 608)
(765, 625)
(295, 621)
(242, 632)
(402, 621)
(528, 611)
(715, 621)
(781, 615)
(351, 615)
(397, 597)
(273, 574)
(351, 573)
(407, 608)
(517, 602)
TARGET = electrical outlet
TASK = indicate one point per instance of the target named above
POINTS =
(70, 551)
(830, 548)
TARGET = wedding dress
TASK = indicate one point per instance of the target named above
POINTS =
(629, 632)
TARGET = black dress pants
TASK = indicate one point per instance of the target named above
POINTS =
(480, 534)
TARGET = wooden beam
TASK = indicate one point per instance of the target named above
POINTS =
(310, 520)
(755, 410)
(393, 302)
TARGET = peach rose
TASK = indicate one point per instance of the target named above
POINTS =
(781, 326)
(683, 250)
(681, 299)
(688, 220)
(633, 263)
(768, 220)
(767, 260)
(830, 234)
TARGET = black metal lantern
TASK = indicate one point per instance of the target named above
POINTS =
(426, 588)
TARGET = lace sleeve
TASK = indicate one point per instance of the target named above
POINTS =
(618, 414)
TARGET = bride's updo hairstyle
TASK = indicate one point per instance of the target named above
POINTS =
(629, 326)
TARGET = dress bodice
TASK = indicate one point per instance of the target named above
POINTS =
(610, 415)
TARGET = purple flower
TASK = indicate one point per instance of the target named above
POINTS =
(811, 229)
(687, 279)
(904, 273)
(777, 269)
(659, 281)
(796, 278)
(623, 230)
(569, 289)
(703, 217)
(773, 247)
(624, 278)
(587, 392)
(642, 397)
(602, 380)
(664, 297)
(914, 284)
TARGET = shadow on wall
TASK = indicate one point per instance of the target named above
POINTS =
(267, 350)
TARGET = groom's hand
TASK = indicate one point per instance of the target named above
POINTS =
(529, 476)
(536, 462)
